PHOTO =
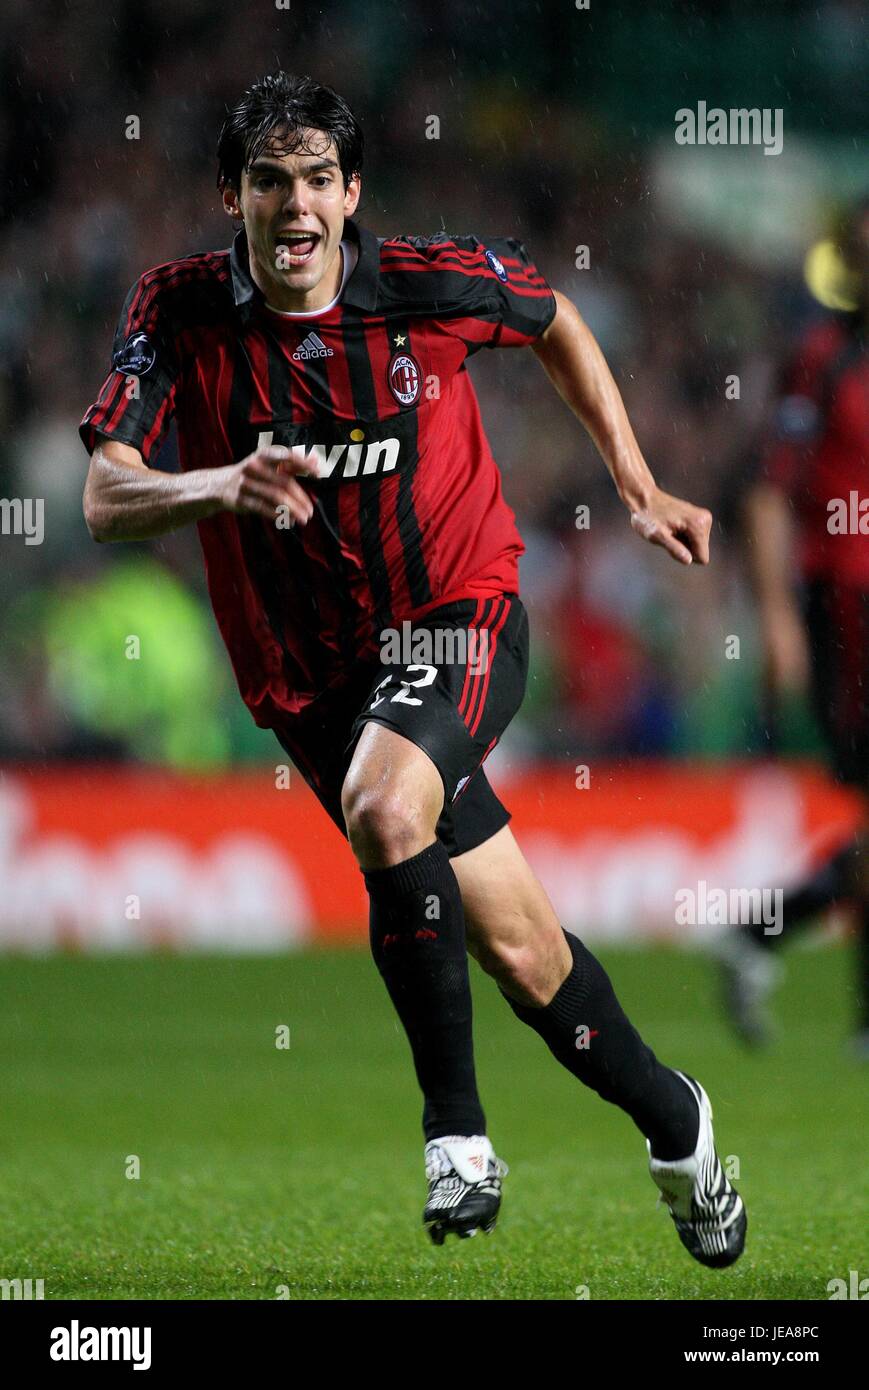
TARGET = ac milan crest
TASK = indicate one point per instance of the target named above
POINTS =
(405, 378)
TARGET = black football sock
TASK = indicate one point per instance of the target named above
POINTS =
(830, 883)
(418, 943)
(585, 1027)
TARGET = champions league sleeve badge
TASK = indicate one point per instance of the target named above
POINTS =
(136, 357)
(496, 265)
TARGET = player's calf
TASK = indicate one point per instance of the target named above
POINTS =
(417, 935)
(513, 932)
(417, 926)
(556, 986)
(586, 1029)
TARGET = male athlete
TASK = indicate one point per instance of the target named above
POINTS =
(807, 515)
(335, 463)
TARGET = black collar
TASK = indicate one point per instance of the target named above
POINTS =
(360, 290)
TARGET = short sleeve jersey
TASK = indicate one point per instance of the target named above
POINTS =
(409, 512)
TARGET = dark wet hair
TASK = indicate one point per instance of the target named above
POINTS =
(274, 113)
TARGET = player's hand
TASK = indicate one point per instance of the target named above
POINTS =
(679, 527)
(785, 650)
(264, 481)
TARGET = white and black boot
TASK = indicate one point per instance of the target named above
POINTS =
(464, 1186)
(707, 1211)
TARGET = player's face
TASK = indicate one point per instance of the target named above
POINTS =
(294, 207)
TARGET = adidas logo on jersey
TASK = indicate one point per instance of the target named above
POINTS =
(312, 346)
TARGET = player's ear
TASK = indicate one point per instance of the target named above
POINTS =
(352, 195)
(231, 205)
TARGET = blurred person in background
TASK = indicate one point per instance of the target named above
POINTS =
(808, 530)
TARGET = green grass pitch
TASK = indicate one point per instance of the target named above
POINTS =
(265, 1169)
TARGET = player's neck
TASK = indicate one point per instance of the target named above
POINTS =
(304, 301)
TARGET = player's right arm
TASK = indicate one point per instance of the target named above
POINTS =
(125, 500)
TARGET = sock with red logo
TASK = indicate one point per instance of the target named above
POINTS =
(585, 1028)
(417, 933)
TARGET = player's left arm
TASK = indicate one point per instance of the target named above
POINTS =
(577, 368)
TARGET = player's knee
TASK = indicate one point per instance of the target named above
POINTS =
(384, 826)
(527, 972)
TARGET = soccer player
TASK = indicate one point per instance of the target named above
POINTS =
(335, 463)
(808, 530)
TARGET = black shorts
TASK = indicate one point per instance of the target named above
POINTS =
(837, 618)
(454, 697)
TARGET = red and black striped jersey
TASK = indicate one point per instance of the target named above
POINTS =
(408, 513)
(818, 449)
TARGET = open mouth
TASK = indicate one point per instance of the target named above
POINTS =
(297, 247)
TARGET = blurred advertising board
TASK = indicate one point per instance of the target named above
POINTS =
(93, 858)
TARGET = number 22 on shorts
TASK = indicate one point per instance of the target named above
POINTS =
(402, 695)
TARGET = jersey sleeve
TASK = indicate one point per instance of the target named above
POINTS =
(136, 402)
(526, 303)
(489, 293)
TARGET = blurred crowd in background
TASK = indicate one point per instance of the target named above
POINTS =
(556, 125)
